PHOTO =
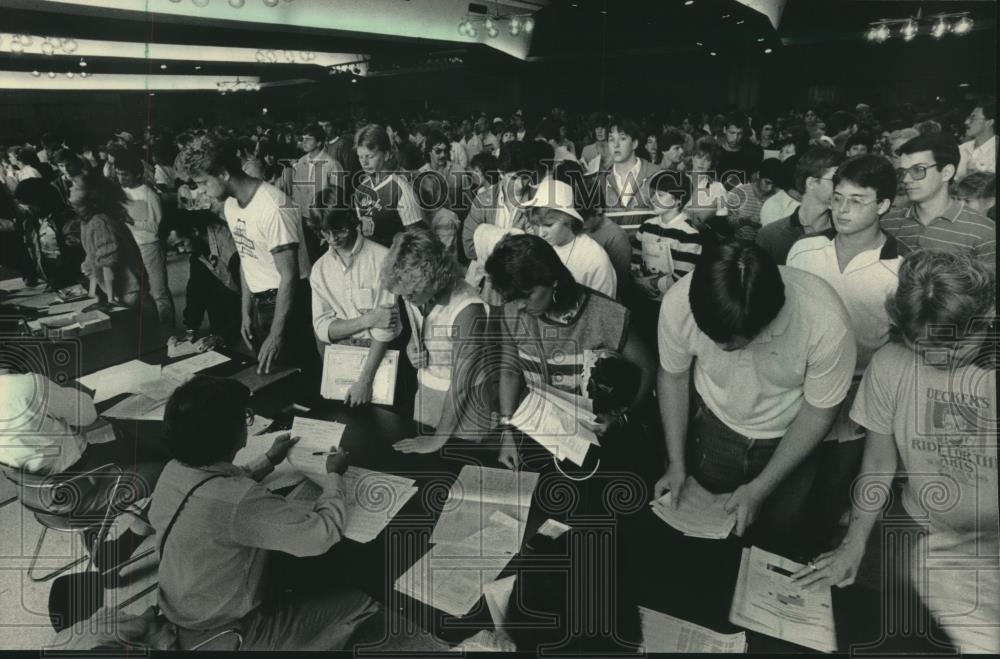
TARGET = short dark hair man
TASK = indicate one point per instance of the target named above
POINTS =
(738, 158)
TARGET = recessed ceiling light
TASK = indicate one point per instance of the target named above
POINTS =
(163, 66)
(767, 51)
(712, 53)
(698, 43)
(688, 3)
(963, 84)
(760, 40)
(198, 68)
(740, 22)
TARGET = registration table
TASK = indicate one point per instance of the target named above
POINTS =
(622, 555)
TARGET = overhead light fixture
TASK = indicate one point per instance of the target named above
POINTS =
(52, 74)
(962, 26)
(198, 67)
(768, 51)
(909, 28)
(84, 74)
(688, 3)
(115, 81)
(940, 29)
(70, 75)
(493, 23)
(163, 66)
(963, 84)
(712, 53)
(237, 4)
(83, 62)
(36, 73)
(760, 40)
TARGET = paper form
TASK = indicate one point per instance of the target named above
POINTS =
(342, 367)
(701, 513)
(120, 379)
(187, 367)
(663, 633)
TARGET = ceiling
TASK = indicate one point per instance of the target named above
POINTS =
(406, 35)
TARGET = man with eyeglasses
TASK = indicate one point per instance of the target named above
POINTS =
(348, 306)
(861, 263)
(979, 154)
(927, 165)
(814, 180)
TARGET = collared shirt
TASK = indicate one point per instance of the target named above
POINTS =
(212, 568)
(39, 422)
(345, 289)
(779, 205)
(269, 222)
(778, 237)
(957, 229)
(806, 353)
(628, 183)
(668, 248)
(746, 202)
(982, 158)
(863, 286)
(310, 176)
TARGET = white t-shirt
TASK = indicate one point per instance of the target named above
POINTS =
(779, 205)
(589, 264)
(269, 221)
(144, 207)
(806, 353)
(37, 423)
(977, 159)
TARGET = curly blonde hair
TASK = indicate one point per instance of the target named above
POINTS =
(208, 154)
(416, 260)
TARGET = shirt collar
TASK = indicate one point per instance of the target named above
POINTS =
(780, 323)
(950, 212)
(349, 261)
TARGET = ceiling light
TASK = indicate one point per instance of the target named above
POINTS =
(492, 32)
(198, 68)
(200, 3)
(84, 74)
(152, 93)
(698, 43)
(962, 25)
(740, 22)
(70, 75)
(940, 29)
(52, 74)
(963, 84)
(688, 3)
(909, 30)
(760, 40)
(237, 4)
(83, 62)
(354, 81)
(712, 53)
(529, 24)
(36, 73)
(768, 51)
(163, 66)
(270, 3)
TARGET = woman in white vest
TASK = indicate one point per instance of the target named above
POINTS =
(448, 346)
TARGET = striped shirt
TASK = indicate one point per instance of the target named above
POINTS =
(957, 229)
(661, 246)
(745, 203)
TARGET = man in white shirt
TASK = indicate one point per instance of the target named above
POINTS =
(773, 354)
(861, 263)
(315, 171)
(146, 212)
(348, 305)
(979, 154)
(274, 266)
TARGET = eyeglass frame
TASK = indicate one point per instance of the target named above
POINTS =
(851, 202)
(912, 170)
(249, 415)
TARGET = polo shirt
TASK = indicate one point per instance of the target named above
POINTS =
(589, 264)
(957, 229)
(746, 203)
(982, 158)
(806, 353)
(679, 237)
(268, 222)
(778, 237)
(344, 289)
(863, 286)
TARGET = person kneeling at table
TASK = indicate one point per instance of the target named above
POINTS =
(928, 401)
(215, 525)
(448, 345)
(773, 355)
(347, 306)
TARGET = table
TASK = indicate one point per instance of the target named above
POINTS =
(641, 561)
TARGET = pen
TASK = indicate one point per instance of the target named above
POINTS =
(324, 453)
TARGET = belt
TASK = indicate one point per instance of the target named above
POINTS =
(266, 296)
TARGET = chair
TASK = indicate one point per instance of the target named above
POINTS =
(53, 500)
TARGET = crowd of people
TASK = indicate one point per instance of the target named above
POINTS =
(759, 300)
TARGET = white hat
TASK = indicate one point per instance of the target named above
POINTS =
(498, 120)
(555, 195)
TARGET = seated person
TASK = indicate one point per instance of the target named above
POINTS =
(556, 220)
(214, 281)
(44, 430)
(204, 506)
(347, 305)
(52, 233)
(549, 324)
(773, 355)
(746, 199)
(928, 402)
(448, 345)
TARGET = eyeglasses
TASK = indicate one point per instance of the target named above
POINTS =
(440, 150)
(916, 172)
(853, 203)
(250, 416)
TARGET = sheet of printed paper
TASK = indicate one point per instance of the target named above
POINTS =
(137, 408)
(257, 445)
(71, 307)
(116, 380)
(161, 388)
(663, 633)
(449, 584)
(768, 601)
(701, 513)
(558, 421)
(191, 365)
(40, 301)
(342, 367)
(373, 500)
(316, 440)
(477, 494)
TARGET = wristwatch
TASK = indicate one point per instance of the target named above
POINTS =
(504, 421)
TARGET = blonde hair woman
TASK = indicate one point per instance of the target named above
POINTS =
(448, 346)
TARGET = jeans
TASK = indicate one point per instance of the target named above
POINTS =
(721, 460)
(154, 257)
(299, 346)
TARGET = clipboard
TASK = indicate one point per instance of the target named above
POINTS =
(342, 366)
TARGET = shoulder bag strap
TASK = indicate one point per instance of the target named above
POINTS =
(170, 526)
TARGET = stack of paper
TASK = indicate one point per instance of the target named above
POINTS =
(137, 408)
(40, 301)
(700, 515)
(70, 324)
(120, 379)
(186, 368)
(10, 285)
(557, 420)
(71, 307)
(663, 633)
(373, 499)
(768, 601)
